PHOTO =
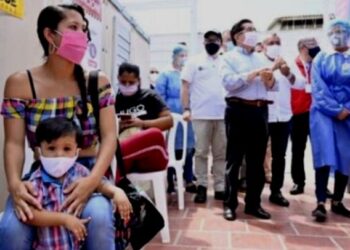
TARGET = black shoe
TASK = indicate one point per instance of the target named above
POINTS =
(340, 209)
(201, 196)
(229, 214)
(320, 213)
(170, 189)
(329, 194)
(191, 188)
(219, 195)
(242, 185)
(297, 189)
(279, 200)
(258, 212)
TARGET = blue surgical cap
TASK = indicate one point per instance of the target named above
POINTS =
(178, 49)
(339, 22)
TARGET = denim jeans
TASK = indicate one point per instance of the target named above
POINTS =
(18, 236)
(101, 233)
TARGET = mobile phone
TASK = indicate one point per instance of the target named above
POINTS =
(124, 116)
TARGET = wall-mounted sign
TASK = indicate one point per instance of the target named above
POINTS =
(13, 7)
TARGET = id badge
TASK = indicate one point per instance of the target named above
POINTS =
(345, 69)
(308, 88)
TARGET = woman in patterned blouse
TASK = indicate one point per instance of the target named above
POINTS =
(58, 88)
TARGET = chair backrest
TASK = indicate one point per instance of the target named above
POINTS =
(178, 121)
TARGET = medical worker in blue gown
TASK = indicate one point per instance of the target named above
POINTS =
(168, 85)
(330, 119)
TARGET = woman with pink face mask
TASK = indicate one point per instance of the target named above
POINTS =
(58, 87)
(143, 116)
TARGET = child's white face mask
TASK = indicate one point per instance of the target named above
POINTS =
(57, 166)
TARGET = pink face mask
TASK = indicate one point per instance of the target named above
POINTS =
(73, 45)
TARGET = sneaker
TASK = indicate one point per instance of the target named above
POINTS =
(320, 213)
(191, 188)
(340, 209)
(201, 196)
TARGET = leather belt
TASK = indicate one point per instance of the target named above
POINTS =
(255, 103)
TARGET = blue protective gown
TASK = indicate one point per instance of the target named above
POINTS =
(168, 85)
(330, 137)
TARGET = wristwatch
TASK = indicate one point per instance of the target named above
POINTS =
(187, 109)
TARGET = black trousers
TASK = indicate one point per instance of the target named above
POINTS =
(340, 182)
(299, 133)
(279, 133)
(247, 131)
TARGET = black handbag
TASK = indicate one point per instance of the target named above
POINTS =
(146, 221)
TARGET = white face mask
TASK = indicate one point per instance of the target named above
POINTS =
(251, 38)
(153, 77)
(57, 166)
(273, 51)
(128, 90)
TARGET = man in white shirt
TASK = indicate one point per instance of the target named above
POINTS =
(203, 101)
(246, 80)
(280, 113)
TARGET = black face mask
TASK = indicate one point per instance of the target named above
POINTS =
(212, 48)
(314, 51)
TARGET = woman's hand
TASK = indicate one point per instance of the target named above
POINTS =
(122, 204)
(23, 195)
(133, 122)
(78, 193)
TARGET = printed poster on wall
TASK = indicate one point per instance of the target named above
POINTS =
(13, 7)
(93, 10)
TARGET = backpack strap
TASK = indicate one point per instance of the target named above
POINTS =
(93, 92)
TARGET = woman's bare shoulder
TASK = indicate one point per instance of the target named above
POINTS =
(17, 86)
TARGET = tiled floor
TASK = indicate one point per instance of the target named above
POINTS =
(202, 227)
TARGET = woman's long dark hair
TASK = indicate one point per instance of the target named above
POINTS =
(50, 17)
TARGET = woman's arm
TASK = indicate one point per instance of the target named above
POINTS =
(108, 131)
(22, 192)
(164, 122)
(81, 189)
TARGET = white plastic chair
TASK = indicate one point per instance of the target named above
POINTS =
(158, 179)
(173, 162)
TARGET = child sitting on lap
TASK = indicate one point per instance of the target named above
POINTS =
(58, 139)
